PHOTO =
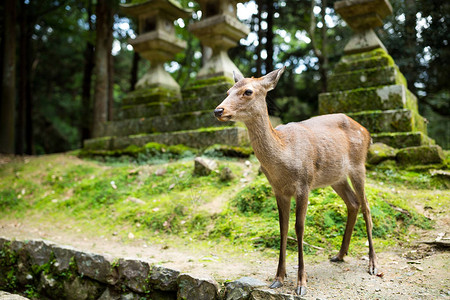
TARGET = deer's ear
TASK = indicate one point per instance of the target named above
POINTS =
(269, 81)
(237, 76)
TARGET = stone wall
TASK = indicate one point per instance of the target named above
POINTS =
(43, 270)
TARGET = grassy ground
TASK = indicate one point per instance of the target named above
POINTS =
(159, 199)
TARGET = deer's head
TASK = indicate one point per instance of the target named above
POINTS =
(247, 97)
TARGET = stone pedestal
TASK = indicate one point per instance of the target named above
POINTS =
(157, 111)
(220, 30)
(157, 41)
(368, 86)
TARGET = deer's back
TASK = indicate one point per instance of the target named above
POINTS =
(330, 146)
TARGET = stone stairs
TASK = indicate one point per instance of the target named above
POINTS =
(168, 117)
(370, 88)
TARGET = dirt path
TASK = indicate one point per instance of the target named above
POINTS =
(420, 273)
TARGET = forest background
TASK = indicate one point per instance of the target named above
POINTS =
(59, 57)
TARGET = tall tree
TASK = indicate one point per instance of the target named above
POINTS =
(7, 108)
(103, 45)
(85, 126)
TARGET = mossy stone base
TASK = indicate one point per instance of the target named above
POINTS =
(402, 139)
(166, 123)
(373, 59)
(151, 95)
(398, 120)
(379, 152)
(421, 155)
(363, 99)
(370, 88)
(200, 138)
(365, 78)
(164, 116)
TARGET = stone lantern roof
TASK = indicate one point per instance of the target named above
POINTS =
(363, 14)
(154, 7)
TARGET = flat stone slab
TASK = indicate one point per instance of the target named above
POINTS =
(232, 136)
(365, 78)
(402, 139)
(398, 120)
(421, 155)
(349, 63)
(166, 123)
(366, 99)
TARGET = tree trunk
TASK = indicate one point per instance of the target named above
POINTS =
(22, 107)
(7, 108)
(85, 126)
(324, 60)
(110, 86)
(102, 51)
(410, 69)
(260, 37)
(269, 35)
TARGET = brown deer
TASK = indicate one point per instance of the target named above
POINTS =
(298, 157)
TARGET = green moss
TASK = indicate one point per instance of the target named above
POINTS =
(379, 152)
(211, 81)
(352, 64)
(421, 155)
(400, 120)
(148, 152)
(402, 139)
(230, 151)
(365, 78)
(362, 99)
(150, 95)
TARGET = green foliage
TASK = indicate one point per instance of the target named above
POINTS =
(255, 198)
(164, 201)
(149, 153)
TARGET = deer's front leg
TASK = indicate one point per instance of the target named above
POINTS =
(300, 213)
(284, 206)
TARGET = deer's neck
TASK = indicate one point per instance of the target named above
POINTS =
(266, 141)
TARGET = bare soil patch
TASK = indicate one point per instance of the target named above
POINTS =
(417, 272)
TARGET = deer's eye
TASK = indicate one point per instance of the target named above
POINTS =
(248, 92)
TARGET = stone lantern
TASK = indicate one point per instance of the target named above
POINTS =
(220, 30)
(156, 41)
(362, 16)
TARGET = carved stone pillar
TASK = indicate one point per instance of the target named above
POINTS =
(220, 30)
(156, 41)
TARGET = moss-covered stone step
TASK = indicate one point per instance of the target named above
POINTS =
(364, 55)
(173, 107)
(151, 109)
(205, 103)
(199, 138)
(366, 78)
(375, 98)
(421, 155)
(397, 120)
(352, 64)
(166, 123)
(201, 91)
(150, 95)
(402, 139)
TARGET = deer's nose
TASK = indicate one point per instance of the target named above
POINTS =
(218, 112)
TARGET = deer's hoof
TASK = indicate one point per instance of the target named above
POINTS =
(373, 270)
(276, 284)
(336, 259)
(300, 290)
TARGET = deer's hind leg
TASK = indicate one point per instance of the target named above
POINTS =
(347, 194)
(358, 179)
